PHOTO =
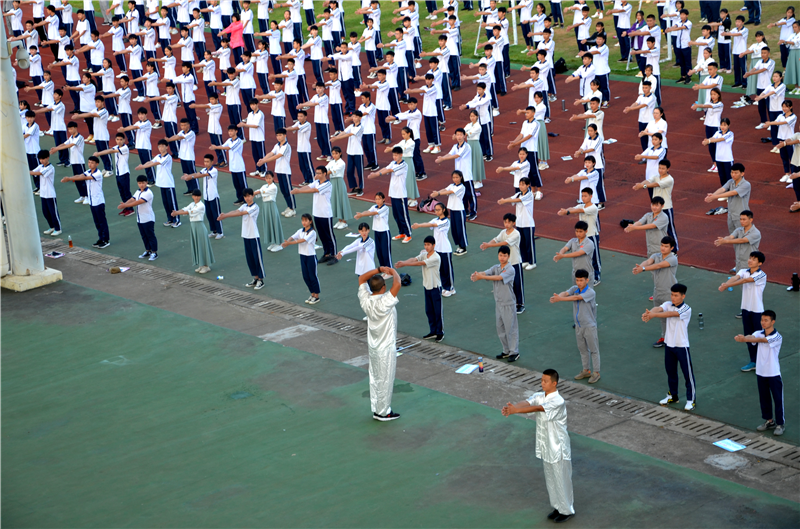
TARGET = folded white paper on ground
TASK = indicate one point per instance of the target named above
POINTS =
(466, 369)
(610, 141)
(565, 158)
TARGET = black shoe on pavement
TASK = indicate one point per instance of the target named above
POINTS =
(553, 515)
(439, 338)
(502, 356)
(332, 261)
(429, 336)
(388, 417)
(563, 518)
(513, 358)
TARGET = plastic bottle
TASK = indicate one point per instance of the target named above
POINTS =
(700, 321)
(480, 364)
(69, 240)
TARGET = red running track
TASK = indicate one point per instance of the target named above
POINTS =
(696, 232)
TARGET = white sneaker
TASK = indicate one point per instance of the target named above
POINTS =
(291, 213)
(106, 174)
(760, 126)
(436, 150)
(276, 248)
(120, 76)
(86, 201)
(48, 232)
(712, 169)
(417, 65)
(689, 406)
(114, 119)
(255, 173)
(212, 235)
(542, 166)
(173, 31)
(48, 132)
(538, 195)
(495, 112)
(785, 178)
(56, 233)
(429, 148)
(775, 150)
(204, 269)
(530, 266)
(285, 211)
(412, 203)
(79, 200)
(448, 293)
(219, 236)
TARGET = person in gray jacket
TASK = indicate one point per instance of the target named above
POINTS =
(502, 277)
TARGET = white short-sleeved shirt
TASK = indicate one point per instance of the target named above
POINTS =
(304, 137)
(767, 364)
(321, 200)
(76, 149)
(164, 176)
(47, 187)
(524, 210)
(380, 221)
(309, 239)
(282, 164)
(455, 200)
(235, 160)
(397, 184)
(321, 109)
(464, 161)
(95, 187)
(144, 211)
(256, 118)
(753, 293)
(677, 333)
(354, 147)
(249, 224)
(440, 230)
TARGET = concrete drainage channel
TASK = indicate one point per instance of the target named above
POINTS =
(700, 428)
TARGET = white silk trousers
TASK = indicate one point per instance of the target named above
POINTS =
(558, 478)
(382, 365)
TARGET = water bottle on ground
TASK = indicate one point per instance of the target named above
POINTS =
(700, 321)
(480, 364)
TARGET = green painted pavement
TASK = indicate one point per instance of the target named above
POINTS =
(172, 422)
(630, 366)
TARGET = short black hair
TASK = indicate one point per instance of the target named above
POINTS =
(141, 178)
(580, 273)
(668, 240)
(552, 373)
(581, 225)
(429, 239)
(376, 283)
(770, 314)
(510, 217)
(504, 250)
(657, 200)
(679, 288)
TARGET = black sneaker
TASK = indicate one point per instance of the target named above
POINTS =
(553, 515)
(238, 203)
(421, 177)
(332, 261)
(659, 343)
(439, 338)
(97, 244)
(739, 316)
(252, 283)
(325, 259)
(360, 192)
(561, 518)
(388, 417)
(513, 358)
(352, 192)
(104, 244)
(502, 356)
(187, 192)
(472, 217)
(429, 336)
(259, 285)
(520, 309)
(460, 251)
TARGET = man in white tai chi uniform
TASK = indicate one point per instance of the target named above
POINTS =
(379, 306)
(552, 443)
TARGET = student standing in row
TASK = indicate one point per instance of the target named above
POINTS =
(526, 226)
(97, 202)
(45, 172)
(272, 230)
(579, 249)
(430, 261)
(142, 200)
(664, 266)
(380, 227)
(363, 247)
(210, 177)
(502, 277)
(455, 205)
(252, 243)
(768, 372)
(753, 281)
(584, 313)
(202, 254)
(305, 238)
(510, 237)
(321, 189)
(677, 314)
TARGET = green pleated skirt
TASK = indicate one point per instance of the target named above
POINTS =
(792, 75)
(478, 170)
(543, 143)
(202, 255)
(340, 204)
(411, 179)
(702, 95)
(752, 81)
(271, 229)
